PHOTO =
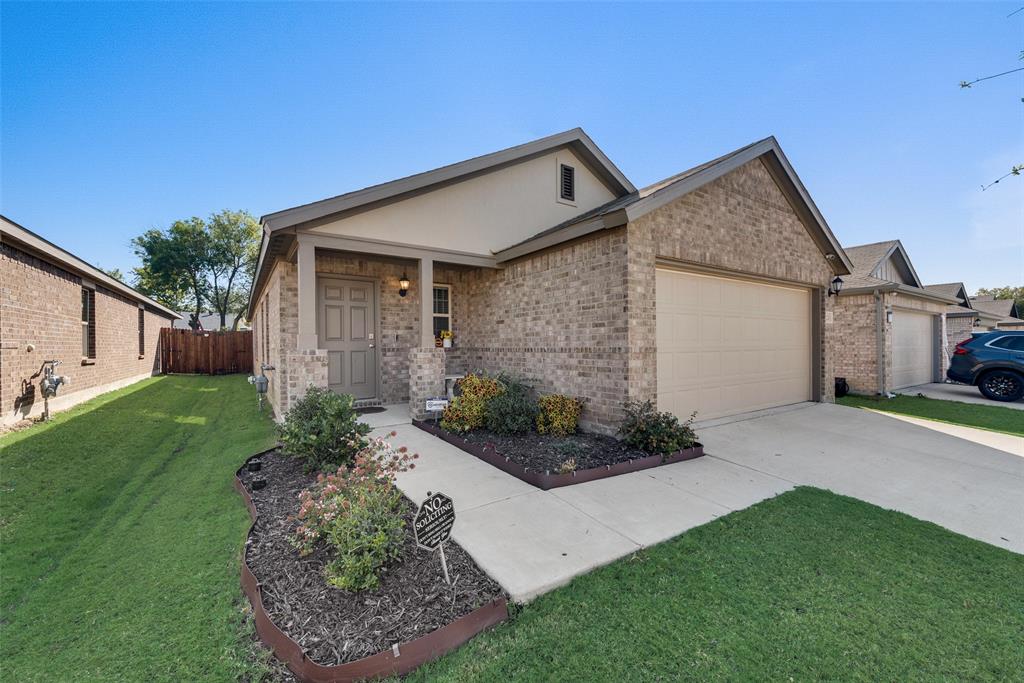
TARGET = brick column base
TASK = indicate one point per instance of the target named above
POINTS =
(426, 379)
(304, 368)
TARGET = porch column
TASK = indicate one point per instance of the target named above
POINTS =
(306, 257)
(426, 284)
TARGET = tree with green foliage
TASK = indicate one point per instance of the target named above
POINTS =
(1008, 292)
(175, 264)
(114, 273)
(200, 265)
(234, 249)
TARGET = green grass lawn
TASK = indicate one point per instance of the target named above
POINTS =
(994, 417)
(121, 535)
(806, 586)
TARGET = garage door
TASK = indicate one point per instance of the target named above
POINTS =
(728, 346)
(913, 349)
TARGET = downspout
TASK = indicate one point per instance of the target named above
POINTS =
(880, 342)
(945, 362)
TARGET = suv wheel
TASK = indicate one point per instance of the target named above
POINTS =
(1002, 385)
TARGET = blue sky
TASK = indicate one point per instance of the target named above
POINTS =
(121, 117)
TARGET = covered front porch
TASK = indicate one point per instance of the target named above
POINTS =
(370, 316)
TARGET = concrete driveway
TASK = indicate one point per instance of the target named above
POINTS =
(964, 486)
(532, 541)
(957, 392)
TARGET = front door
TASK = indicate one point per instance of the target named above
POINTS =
(346, 322)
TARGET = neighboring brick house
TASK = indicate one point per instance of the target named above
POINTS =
(888, 327)
(1005, 309)
(53, 305)
(961, 319)
(706, 291)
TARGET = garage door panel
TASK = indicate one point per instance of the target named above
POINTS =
(728, 346)
(913, 348)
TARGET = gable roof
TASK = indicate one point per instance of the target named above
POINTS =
(576, 139)
(1006, 308)
(953, 289)
(48, 251)
(631, 207)
(868, 259)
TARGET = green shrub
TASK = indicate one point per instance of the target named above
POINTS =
(366, 536)
(322, 429)
(655, 432)
(558, 415)
(357, 511)
(466, 412)
(513, 411)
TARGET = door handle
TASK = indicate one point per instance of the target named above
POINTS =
(372, 346)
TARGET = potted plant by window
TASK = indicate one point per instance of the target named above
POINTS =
(446, 338)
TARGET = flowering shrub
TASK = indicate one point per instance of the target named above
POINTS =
(466, 412)
(323, 429)
(656, 432)
(356, 511)
(559, 414)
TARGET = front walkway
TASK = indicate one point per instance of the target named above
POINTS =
(957, 392)
(532, 541)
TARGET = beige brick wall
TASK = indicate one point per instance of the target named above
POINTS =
(740, 223)
(856, 346)
(958, 328)
(426, 379)
(41, 304)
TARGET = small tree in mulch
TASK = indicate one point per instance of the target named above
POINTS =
(356, 511)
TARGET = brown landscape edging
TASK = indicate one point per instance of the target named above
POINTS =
(547, 480)
(410, 655)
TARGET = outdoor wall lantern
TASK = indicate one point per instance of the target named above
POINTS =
(977, 322)
(888, 316)
(836, 286)
(403, 285)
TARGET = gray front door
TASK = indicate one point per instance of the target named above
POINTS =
(346, 321)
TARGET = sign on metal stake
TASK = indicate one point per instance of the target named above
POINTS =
(433, 525)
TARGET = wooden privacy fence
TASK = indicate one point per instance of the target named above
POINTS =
(208, 353)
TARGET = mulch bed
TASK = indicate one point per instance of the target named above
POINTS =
(545, 453)
(334, 626)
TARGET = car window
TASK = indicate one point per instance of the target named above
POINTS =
(1015, 343)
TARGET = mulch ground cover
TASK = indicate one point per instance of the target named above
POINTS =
(334, 626)
(546, 453)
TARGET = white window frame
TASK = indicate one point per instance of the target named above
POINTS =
(447, 315)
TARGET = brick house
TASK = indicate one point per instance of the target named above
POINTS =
(888, 326)
(53, 305)
(706, 291)
(962, 318)
(1004, 309)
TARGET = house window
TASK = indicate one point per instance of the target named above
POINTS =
(442, 309)
(88, 323)
(566, 183)
(142, 332)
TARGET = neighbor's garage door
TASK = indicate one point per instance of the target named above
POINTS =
(913, 348)
(728, 346)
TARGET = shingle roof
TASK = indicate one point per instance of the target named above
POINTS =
(1000, 307)
(948, 289)
(866, 257)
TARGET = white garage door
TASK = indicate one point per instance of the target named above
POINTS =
(913, 349)
(728, 346)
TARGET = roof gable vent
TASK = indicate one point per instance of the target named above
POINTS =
(567, 182)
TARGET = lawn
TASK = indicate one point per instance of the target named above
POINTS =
(806, 586)
(995, 418)
(121, 536)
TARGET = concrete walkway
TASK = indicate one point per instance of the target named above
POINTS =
(958, 392)
(532, 541)
(986, 437)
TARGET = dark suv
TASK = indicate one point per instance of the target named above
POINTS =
(994, 361)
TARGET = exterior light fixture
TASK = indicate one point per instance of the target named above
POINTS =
(888, 316)
(836, 286)
(403, 285)
(977, 322)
